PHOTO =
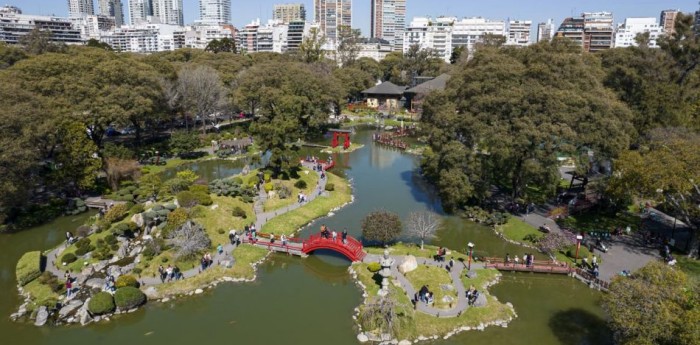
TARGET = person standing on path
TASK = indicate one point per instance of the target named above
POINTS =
(220, 249)
(69, 288)
(335, 235)
(345, 236)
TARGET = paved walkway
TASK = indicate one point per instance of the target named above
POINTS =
(456, 273)
(219, 259)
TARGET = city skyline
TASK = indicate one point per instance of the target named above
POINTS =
(243, 11)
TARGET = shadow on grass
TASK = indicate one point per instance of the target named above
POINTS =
(578, 327)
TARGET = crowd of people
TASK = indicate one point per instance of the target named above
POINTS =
(206, 261)
(332, 234)
(169, 274)
(527, 260)
(472, 295)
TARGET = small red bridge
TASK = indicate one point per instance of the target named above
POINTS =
(324, 164)
(351, 249)
(538, 266)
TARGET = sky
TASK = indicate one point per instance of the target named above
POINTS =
(244, 11)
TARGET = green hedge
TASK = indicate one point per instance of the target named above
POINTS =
(301, 184)
(28, 267)
(330, 187)
(582, 253)
(374, 267)
(69, 258)
(117, 213)
(101, 303)
(126, 280)
(129, 297)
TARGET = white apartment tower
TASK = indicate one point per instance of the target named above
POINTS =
(168, 11)
(388, 21)
(112, 8)
(545, 31)
(215, 11)
(331, 15)
(287, 13)
(668, 20)
(519, 32)
(77, 8)
(139, 11)
(468, 32)
(628, 31)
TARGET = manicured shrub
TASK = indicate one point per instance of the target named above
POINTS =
(220, 231)
(125, 229)
(124, 261)
(237, 180)
(204, 199)
(126, 280)
(82, 231)
(116, 213)
(129, 297)
(199, 188)
(28, 267)
(582, 253)
(283, 191)
(68, 258)
(138, 208)
(83, 242)
(330, 187)
(267, 177)
(239, 212)
(269, 186)
(187, 199)
(137, 270)
(301, 184)
(101, 303)
(374, 267)
(84, 250)
(110, 239)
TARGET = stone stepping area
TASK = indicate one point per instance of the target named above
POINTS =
(261, 219)
(456, 273)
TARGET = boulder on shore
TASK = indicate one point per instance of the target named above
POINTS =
(409, 264)
(42, 316)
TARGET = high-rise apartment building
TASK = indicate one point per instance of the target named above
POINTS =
(287, 13)
(139, 11)
(77, 8)
(14, 25)
(331, 15)
(668, 21)
(545, 31)
(112, 8)
(519, 32)
(168, 11)
(467, 32)
(627, 32)
(215, 11)
(388, 21)
(593, 31)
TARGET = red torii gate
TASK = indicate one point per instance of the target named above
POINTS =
(340, 133)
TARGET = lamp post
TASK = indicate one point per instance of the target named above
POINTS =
(578, 246)
(471, 248)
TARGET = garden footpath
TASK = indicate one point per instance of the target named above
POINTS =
(223, 259)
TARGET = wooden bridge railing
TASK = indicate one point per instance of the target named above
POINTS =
(592, 278)
(540, 266)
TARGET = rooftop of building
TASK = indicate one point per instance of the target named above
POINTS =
(385, 88)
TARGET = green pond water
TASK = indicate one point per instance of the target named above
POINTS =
(310, 301)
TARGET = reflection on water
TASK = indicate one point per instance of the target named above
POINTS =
(310, 301)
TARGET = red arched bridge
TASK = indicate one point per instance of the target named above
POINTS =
(351, 248)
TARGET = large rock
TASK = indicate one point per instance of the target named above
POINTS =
(96, 283)
(123, 251)
(83, 314)
(480, 301)
(127, 269)
(138, 219)
(69, 308)
(151, 292)
(136, 251)
(362, 338)
(42, 316)
(409, 264)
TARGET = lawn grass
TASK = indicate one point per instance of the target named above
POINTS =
(289, 222)
(690, 266)
(222, 218)
(40, 294)
(149, 268)
(414, 249)
(244, 256)
(276, 203)
(79, 264)
(433, 277)
(595, 221)
(516, 230)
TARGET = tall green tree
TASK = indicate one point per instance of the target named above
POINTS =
(656, 305)
(223, 45)
(77, 160)
(348, 45)
(38, 41)
(311, 47)
(549, 100)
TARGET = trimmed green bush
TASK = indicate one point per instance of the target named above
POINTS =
(129, 297)
(125, 229)
(267, 177)
(28, 267)
(138, 208)
(204, 199)
(117, 212)
(583, 252)
(199, 188)
(110, 239)
(187, 199)
(330, 187)
(68, 258)
(239, 212)
(126, 280)
(301, 184)
(238, 180)
(269, 186)
(84, 250)
(374, 267)
(101, 303)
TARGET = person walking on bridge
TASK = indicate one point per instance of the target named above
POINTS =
(335, 235)
(345, 236)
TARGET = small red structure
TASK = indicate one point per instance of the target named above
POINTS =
(351, 249)
(337, 133)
